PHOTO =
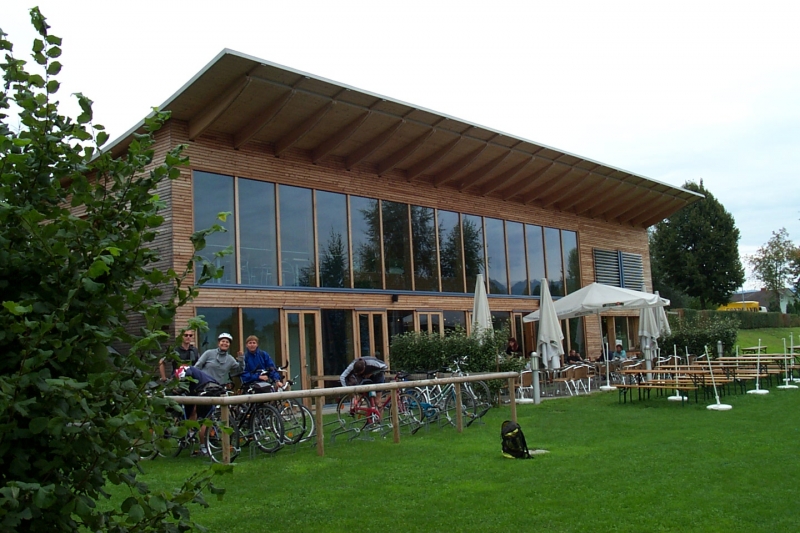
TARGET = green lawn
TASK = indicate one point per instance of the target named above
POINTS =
(641, 467)
(771, 337)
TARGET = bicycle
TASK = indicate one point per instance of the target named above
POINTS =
(298, 422)
(258, 423)
(367, 412)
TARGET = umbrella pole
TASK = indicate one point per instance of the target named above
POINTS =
(715, 406)
(677, 397)
(787, 380)
(608, 386)
(758, 389)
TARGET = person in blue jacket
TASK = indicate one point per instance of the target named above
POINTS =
(258, 365)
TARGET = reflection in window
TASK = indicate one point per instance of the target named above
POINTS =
(297, 237)
(500, 320)
(573, 279)
(473, 249)
(219, 320)
(516, 258)
(337, 340)
(496, 251)
(576, 337)
(400, 322)
(396, 245)
(334, 257)
(423, 239)
(450, 252)
(266, 325)
(257, 233)
(536, 272)
(555, 269)
(366, 231)
(213, 194)
(454, 320)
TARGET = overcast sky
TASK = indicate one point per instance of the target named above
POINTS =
(674, 91)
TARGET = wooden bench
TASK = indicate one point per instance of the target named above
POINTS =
(648, 386)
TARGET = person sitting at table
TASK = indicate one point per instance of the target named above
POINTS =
(574, 357)
(513, 349)
(619, 353)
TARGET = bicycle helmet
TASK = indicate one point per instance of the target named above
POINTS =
(180, 372)
(225, 336)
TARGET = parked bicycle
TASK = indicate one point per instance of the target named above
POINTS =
(365, 412)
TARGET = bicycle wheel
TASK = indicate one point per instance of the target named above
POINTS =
(294, 420)
(409, 413)
(311, 425)
(483, 398)
(214, 441)
(346, 412)
(467, 406)
(266, 428)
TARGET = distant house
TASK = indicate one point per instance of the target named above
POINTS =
(765, 297)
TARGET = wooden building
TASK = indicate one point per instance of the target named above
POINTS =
(355, 217)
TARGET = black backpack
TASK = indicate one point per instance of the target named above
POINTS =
(514, 445)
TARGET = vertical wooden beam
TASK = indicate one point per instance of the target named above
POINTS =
(512, 396)
(319, 402)
(459, 414)
(226, 439)
(395, 416)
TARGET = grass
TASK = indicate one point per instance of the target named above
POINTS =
(771, 337)
(651, 466)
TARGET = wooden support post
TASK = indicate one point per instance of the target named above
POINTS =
(226, 439)
(512, 397)
(395, 416)
(319, 403)
(459, 414)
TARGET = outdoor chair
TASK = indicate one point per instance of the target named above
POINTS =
(581, 379)
(563, 379)
(525, 388)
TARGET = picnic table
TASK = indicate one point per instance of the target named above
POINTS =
(754, 349)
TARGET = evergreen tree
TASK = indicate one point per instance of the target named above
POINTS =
(696, 250)
(773, 264)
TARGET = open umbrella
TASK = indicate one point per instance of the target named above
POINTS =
(596, 298)
(481, 315)
(549, 344)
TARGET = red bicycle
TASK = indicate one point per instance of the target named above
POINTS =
(365, 412)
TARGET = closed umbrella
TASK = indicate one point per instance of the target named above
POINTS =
(549, 344)
(481, 315)
(648, 334)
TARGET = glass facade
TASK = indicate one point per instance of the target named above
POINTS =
(298, 237)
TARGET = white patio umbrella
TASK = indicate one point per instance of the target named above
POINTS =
(661, 318)
(595, 298)
(550, 344)
(481, 315)
(648, 334)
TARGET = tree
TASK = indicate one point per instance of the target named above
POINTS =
(696, 250)
(74, 266)
(774, 264)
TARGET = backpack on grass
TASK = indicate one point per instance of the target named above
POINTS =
(514, 445)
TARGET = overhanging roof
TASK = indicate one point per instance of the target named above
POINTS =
(248, 100)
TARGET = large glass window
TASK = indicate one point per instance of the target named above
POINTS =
(423, 239)
(257, 233)
(219, 320)
(572, 259)
(396, 245)
(366, 231)
(454, 320)
(536, 272)
(496, 251)
(517, 270)
(450, 252)
(333, 242)
(577, 340)
(472, 229)
(297, 237)
(555, 267)
(213, 194)
(400, 322)
(337, 340)
(266, 325)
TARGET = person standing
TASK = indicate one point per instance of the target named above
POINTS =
(218, 362)
(186, 352)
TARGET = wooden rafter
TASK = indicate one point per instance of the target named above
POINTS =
(421, 166)
(529, 181)
(389, 162)
(360, 154)
(638, 206)
(447, 174)
(546, 186)
(330, 144)
(202, 121)
(289, 140)
(614, 203)
(607, 190)
(475, 177)
(506, 177)
(569, 189)
(657, 215)
(252, 128)
(591, 181)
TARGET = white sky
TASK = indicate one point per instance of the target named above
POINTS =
(673, 91)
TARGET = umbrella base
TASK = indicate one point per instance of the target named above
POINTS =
(758, 391)
(719, 407)
(677, 398)
(785, 387)
(525, 400)
(608, 388)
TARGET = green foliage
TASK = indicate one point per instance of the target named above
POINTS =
(697, 329)
(75, 263)
(696, 251)
(774, 264)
